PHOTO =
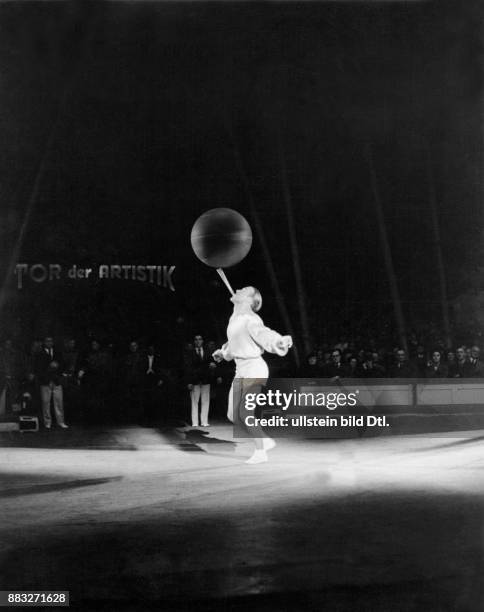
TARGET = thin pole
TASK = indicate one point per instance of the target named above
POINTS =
(387, 254)
(301, 293)
(34, 194)
(221, 273)
(444, 302)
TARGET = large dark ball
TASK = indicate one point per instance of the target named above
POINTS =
(221, 237)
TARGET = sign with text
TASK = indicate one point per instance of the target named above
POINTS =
(40, 273)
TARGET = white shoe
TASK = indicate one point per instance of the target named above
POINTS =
(268, 444)
(259, 456)
(48, 426)
(64, 426)
(205, 425)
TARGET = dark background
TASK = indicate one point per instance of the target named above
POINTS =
(119, 122)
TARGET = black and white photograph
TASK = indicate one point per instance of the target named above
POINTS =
(242, 305)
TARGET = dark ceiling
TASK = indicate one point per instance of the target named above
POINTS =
(122, 122)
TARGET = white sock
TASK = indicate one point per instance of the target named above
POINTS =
(259, 456)
(268, 444)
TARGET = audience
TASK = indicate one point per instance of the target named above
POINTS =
(94, 381)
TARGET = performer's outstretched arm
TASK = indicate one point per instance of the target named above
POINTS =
(267, 338)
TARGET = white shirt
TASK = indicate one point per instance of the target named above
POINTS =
(248, 338)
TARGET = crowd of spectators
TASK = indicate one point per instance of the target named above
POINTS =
(135, 383)
(92, 385)
(345, 360)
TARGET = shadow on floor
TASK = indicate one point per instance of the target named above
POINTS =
(400, 551)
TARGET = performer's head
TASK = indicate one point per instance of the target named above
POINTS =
(250, 296)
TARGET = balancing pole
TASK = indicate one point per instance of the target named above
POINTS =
(221, 273)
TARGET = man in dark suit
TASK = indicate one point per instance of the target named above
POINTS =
(420, 362)
(459, 368)
(403, 368)
(198, 377)
(48, 372)
(132, 374)
(475, 368)
(370, 368)
(336, 369)
(153, 381)
(12, 372)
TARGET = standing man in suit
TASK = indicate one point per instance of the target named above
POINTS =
(132, 379)
(12, 371)
(152, 384)
(198, 376)
(48, 371)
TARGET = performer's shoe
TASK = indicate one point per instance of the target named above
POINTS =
(48, 426)
(205, 425)
(268, 444)
(259, 456)
(63, 426)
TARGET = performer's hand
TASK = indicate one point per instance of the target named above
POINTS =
(284, 343)
(218, 355)
(190, 387)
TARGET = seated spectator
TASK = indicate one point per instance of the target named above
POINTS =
(475, 368)
(371, 368)
(402, 368)
(321, 357)
(435, 368)
(420, 362)
(459, 368)
(413, 344)
(353, 368)
(336, 369)
(450, 357)
(311, 368)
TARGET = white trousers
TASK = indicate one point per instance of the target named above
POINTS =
(254, 369)
(46, 393)
(200, 392)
